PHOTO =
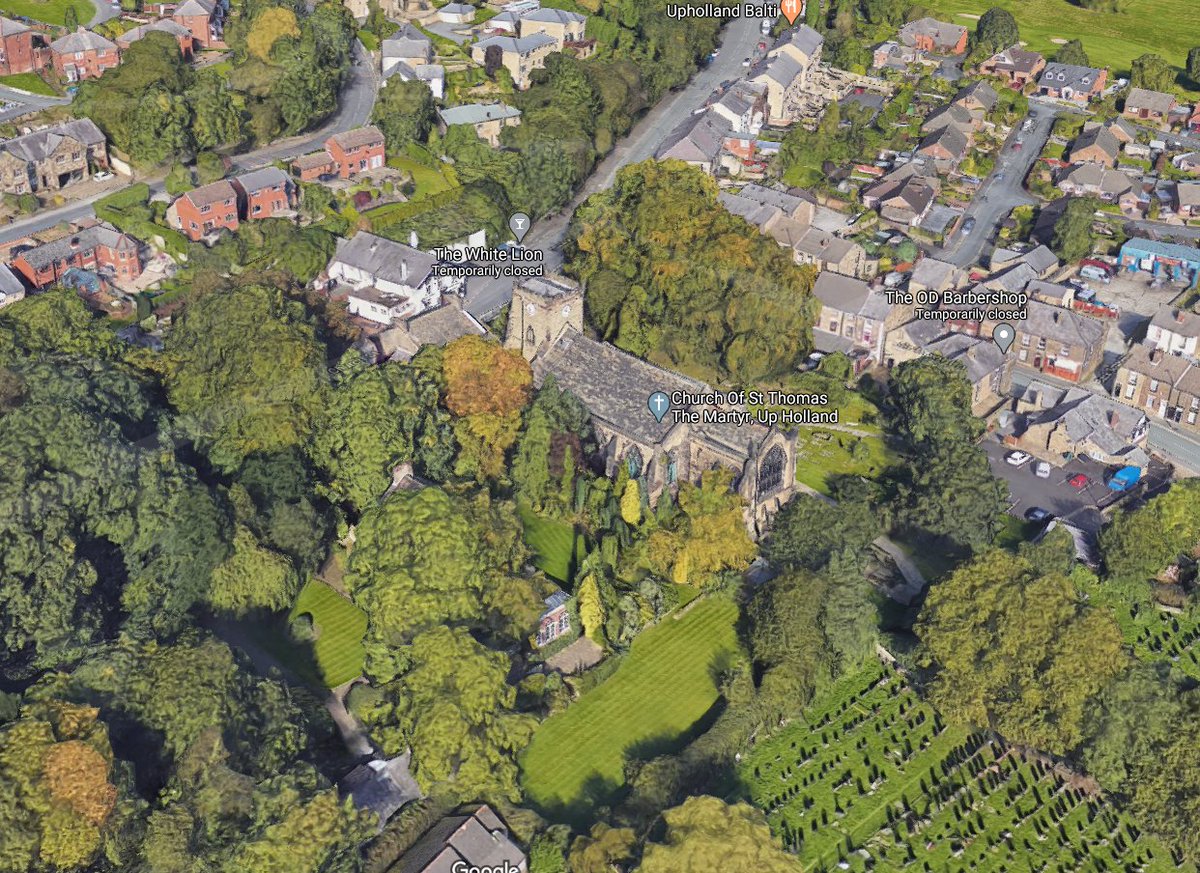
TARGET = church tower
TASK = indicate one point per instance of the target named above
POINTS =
(542, 308)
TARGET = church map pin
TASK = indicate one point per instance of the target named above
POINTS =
(1003, 336)
(790, 9)
(518, 223)
(659, 404)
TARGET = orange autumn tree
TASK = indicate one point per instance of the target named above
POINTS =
(487, 387)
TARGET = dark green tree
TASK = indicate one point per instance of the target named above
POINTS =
(1153, 72)
(1073, 235)
(1072, 52)
(1193, 64)
(996, 30)
(404, 111)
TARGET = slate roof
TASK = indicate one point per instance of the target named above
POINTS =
(519, 44)
(256, 180)
(932, 273)
(1188, 194)
(979, 91)
(1107, 424)
(981, 357)
(196, 7)
(1166, 319)
(360, 136)
(804, 38)
(549, 286)
(38, 145)
(1098, 177)
(8, 27)
(554, 16)
(88, 238)
(385, 259)
(442, 325)
(1154, 101)
(1012, 279)
(81, 41)
(1061, 325)
(942, 33)
(1016, 60)
(781, 68)
(697, 140)
(843, 293)
(313, 160)
(954, 114)
(824, 245)
(914, 191)
(1099, 136)
(166, 25)
(1060, 76)
(408, 42)
(477, 113)
(382, 787)
(950, 137)
(1157, 365)
(215, 192)
(1041, 259)
(781, 200)
(10, 285)
(476, 840)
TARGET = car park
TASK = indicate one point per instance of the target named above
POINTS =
(1016, 458)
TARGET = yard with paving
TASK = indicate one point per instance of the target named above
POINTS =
(871, 779)
(660, 692)
(1113, 39)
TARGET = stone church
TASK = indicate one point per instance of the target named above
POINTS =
(545, 323)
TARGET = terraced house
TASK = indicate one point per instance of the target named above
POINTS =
(50, 159)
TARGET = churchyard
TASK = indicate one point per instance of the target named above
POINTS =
(874, 780)
(660, 691)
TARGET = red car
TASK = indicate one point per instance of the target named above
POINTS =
(1078, 481)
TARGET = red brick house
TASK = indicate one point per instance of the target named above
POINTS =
(265, 192)
(310, 168)
(99, 247)
(936, 37)
(22, 49)
(356, 151)
(205, 19)
(1015, 66)
(83, 55)
(207, 208)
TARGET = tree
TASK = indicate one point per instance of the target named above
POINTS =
(591, 608)
(808, 531)
(1016, 652)
(487, 386)
(404, 112)
(707, 537)
(695, 287)
(252, 578)
(493, 60)
(531, 465)
(631, 503)
(786, 638)
(706, 832)
(244, 370)
(1073, 235)
(603, 850)
(1152, 72)
(1072, 52)
(1138, 545)
(996, 30)
(1193, 64)
(209, 167)
(70, 19)
(930, 404)
(179, 180)
(271, 25)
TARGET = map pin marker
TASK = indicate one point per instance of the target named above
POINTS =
(660, 405)
(790, 9)
(518, 223)
(1003, 336)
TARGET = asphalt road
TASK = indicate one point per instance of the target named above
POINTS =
(104, 12)
(1026, 490)
(1176, 446)
(354, 110)
(486, 297)
(998, 197)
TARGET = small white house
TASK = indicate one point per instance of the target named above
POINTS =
(457, 13)
(384, 281)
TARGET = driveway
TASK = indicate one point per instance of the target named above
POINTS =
(997, 197)
(486, 297)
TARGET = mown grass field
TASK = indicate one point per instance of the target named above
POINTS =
(553, 544)
(30, 82)
(49, 11)
(1113, 39)
(662, 689)
(873, 780)
(340, 626)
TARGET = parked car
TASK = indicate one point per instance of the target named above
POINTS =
(1016, 458)
(1036, 513)
(1108, 269)
(968, 226)
(1042, 470)
(1017, 146)
(1078, 481)
(102, 176)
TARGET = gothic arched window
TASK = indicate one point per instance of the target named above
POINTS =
(770, 471)
(634, 462)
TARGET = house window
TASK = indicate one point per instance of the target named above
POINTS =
(1025, 340)
(1133, 378)
(1024, 355)
(257, 208)
(206, 208)
(1129, 391)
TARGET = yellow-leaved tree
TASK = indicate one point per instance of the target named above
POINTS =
(591, 609)
(631, 503)
(269, 27)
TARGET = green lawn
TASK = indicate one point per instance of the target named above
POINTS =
(552, 542)
(821, 454)
(1165, 27)
(663, 688)
(340, 626)
(49, 11)
(871, 779)
(428, 180)
(30, 82)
